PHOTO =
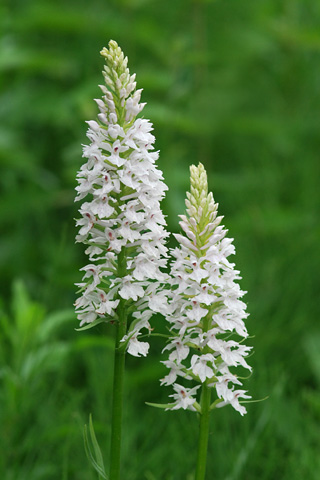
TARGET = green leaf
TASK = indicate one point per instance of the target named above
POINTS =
(95, 443)
(160, 405)
(255, 400)
(53, 322)
(97, 460)
(215, 403)
(90, 455)
(44, 359)
(92, 324)
(28, 314)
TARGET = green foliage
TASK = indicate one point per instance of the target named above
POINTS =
(232, 84)
(95, 457)
(42, 395)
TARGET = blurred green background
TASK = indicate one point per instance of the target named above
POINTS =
(233, 84)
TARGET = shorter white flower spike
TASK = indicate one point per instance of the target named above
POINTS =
(205, 309)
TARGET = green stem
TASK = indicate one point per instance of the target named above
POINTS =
(205, 402)
(203, 432)
(118, 379)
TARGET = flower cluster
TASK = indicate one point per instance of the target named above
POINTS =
(121, 222)
(205, 306)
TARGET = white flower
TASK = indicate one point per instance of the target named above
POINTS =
(196, 312)
(121, 222)
(158, 302)
(200, 368)
(232, 397)
(175, 370)
(130, 289)
(107, 306)
(180, 351)
(183, 397)
(204, 302)
(137, 348)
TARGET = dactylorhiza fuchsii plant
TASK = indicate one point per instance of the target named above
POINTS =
(123, 228)
(206, 313)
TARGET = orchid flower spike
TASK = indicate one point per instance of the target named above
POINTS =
(121, 222)
(205, 306)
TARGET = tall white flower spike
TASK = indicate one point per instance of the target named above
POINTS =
(205, 306)
(121, 222)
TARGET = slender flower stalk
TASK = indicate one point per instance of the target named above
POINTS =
(121, 224)
(206, 313)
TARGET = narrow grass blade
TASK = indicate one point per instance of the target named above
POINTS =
(95, 458)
